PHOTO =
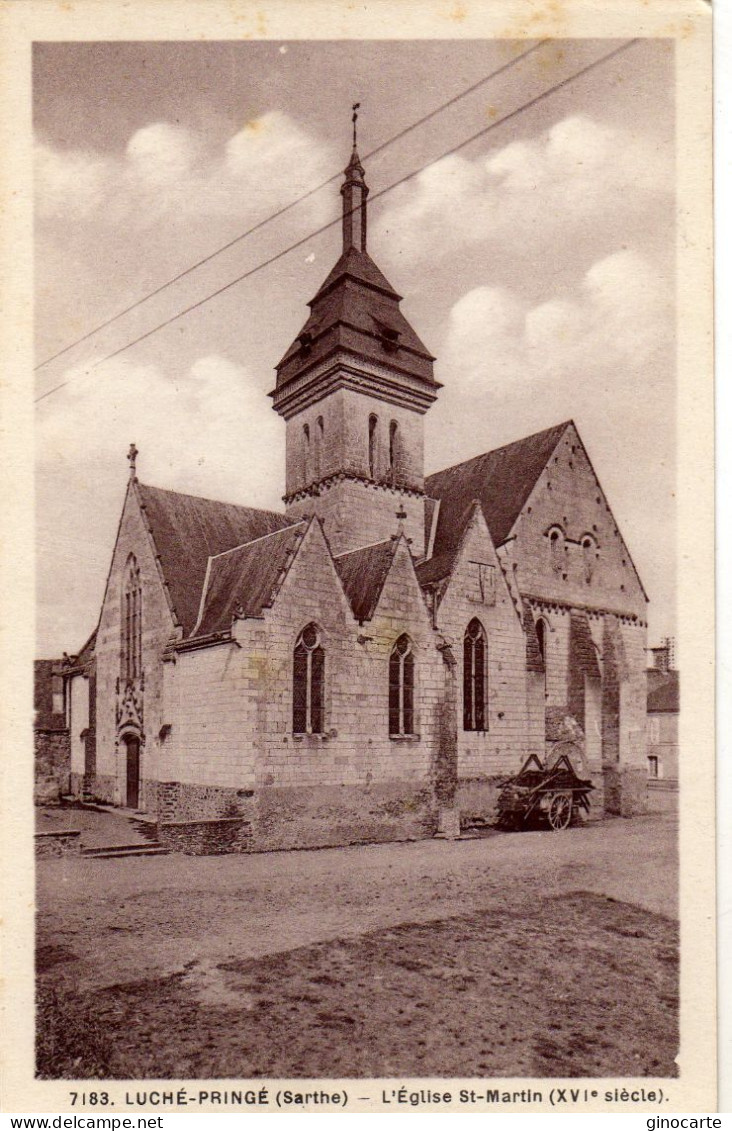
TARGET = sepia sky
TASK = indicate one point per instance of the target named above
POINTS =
(537, 264)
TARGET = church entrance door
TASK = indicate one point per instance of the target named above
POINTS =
(133, 772)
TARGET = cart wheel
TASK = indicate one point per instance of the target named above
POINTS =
(560, 810)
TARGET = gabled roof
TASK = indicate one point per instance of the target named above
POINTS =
(81, 661)
(188, 530)
(501, 481)
(363, 573)
(665, 696)
(245, 580)
(87, 652)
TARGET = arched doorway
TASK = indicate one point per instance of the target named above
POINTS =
(132, 765)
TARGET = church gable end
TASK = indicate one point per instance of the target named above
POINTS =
(566, 544)
(135, 625)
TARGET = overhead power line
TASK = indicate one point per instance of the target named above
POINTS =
(288, 207)
(373, 196)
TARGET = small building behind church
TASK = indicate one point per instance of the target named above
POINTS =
(368, 663)
(663, 727)
(52, 754)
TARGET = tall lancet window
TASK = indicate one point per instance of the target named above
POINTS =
(131, 626)
(319, 440)
(475, 672)
(373, 424)
(393, 446)
(308, 682)
(306, 453)
(401, 688)
(541, 639)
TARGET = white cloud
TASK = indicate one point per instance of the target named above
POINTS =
(176, 422)
(208, 431)
(168, 171)
(601, 354)
(161, 153)
(576, 175)
(614, 323)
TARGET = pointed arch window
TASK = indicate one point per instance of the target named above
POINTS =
(589, 556)
(540, 629)
(556, 548)
(306, 453)
(308, 682)
(373, 423)
(131, 657)
(541, 637)
(401, 688)
(393, 445)
(319, 437)
(475, 677)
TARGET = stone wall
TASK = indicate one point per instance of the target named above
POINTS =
(206, 837)
(186, 802)
(157, 627)
(58, 844)
(78, 700)
(318, 816)
(505, 743)
(52, 764)
(586, 572)
(343, 442)
(662, 735)
(232, 717)
(568, 497)
(358, 513)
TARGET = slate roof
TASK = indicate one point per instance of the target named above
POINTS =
(245, 580)
(83, 658)
(500, 480)
(363, 573)
(351, 310)
(188, 530)
(665, 696)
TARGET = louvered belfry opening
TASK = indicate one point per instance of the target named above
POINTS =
(475, 668)
(401, 688)
(308, 683)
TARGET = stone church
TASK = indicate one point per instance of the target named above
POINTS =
(367, 664)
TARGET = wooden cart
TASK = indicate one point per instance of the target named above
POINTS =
(550, 793)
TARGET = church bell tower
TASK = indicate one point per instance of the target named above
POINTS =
(353, 388)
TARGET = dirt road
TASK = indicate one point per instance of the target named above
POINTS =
(103, 922)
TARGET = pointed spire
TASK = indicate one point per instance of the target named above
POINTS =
(354, 191)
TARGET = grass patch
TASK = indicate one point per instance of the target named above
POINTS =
(72, 1042)
(577, 985)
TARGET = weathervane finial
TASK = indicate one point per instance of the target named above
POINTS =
(354, 118)
(132, 457)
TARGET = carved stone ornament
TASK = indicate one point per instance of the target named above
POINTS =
(129, 707)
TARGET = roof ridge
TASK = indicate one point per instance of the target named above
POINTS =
(207, 499)
(243, 545)
(500, 448)
(368, 546)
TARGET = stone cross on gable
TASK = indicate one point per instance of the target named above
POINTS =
(401, 515)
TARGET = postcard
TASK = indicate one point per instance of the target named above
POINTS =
(359, 582)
